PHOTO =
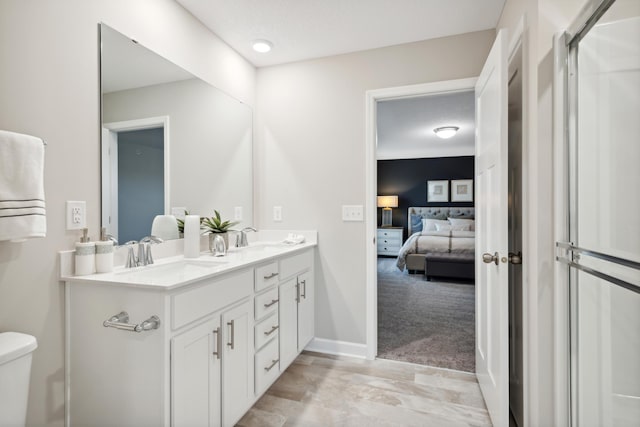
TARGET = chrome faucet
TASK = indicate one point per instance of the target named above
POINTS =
(241, 237)
(144, 249)
(145, 256)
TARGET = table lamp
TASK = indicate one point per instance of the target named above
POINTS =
(386, 203)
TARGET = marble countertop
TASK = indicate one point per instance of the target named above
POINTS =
(176, 271)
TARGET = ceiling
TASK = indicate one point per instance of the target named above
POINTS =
(143, 67)
(305, 29)
(405, 126)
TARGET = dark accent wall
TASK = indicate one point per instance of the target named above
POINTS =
(407, 178)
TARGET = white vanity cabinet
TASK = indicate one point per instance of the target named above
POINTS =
(218, 346)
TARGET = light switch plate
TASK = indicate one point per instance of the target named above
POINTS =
(76, 215)
(237, 213)
(352, 213)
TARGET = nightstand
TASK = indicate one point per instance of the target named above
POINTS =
(389, 240)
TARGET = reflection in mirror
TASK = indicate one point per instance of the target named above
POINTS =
(170, 142)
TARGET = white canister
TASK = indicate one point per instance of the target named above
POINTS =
(104, 256)
(192, 236)
(85, 258)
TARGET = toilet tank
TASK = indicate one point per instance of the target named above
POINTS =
(15, 368)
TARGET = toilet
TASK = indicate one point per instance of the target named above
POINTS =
(15, 367)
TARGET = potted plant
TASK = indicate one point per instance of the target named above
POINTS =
(215, 225)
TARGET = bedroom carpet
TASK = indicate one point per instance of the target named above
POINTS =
(430, 323)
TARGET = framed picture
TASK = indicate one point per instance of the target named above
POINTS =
(462, 190)
(437, 191)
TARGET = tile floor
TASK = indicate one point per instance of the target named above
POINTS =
(324, 390)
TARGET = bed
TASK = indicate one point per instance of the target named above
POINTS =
(459, 238)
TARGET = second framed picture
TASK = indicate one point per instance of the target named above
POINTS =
(438, 191)
(462, 190)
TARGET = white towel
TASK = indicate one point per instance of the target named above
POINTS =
(22, 208)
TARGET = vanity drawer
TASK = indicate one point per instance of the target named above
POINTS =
(266, 303)
(295, 264)
(267, 366)
(211, 296)
(266, 330)
(266, 275)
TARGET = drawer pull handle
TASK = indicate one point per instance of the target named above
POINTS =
(271, 276)
(304, 292)
(273, 301)
(232, 324)
(273, 363)
(273, 329)
(218, 342)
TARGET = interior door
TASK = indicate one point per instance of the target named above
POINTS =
(492, 279)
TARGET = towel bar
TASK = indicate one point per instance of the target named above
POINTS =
(121, 321)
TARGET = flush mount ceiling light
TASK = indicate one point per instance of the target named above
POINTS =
(446, 132)
(262, 46)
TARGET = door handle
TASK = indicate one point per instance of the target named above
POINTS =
(218, 342)
(487, 258)
(304, 292)
(515, 259)
(232, 324)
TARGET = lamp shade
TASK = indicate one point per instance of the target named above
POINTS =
(387, 201)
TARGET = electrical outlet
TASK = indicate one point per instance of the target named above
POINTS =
(237, 213)
(76, 215)
(352, 213)
(277, 213)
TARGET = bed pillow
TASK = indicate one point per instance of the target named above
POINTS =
(462, 224)
(416, 223)
(430, 224)
(443, 227)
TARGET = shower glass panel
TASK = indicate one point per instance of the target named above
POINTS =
(605, 218)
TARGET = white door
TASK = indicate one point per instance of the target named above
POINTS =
(306, 315)
(288, 311)
(237, 362)
(195, 376)
(492, 273)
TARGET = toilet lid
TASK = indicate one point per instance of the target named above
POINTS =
(14, 345)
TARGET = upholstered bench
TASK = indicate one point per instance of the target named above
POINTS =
(458, 266)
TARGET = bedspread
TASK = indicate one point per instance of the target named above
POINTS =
(436, 242)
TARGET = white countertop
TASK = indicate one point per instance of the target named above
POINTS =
(176, 271)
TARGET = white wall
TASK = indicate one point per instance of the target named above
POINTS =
(310, 139)
(49, 86)
(543, 19)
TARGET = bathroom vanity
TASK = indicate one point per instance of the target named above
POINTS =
(224, 330)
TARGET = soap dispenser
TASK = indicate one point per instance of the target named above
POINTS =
(104, 253)
(85, 255)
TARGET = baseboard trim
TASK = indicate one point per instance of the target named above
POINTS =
(339, 348)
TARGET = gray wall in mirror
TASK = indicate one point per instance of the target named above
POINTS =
(209, 138)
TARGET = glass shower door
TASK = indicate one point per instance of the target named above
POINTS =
(604, 211)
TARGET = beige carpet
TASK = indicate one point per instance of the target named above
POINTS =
(430, 323)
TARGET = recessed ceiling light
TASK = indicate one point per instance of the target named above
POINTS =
(262, 46)
(446, 132)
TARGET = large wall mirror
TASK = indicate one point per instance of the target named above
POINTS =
(170, 142)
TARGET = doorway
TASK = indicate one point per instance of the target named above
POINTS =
(135, 176)
(426, 316)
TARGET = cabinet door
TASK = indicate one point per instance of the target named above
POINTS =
(288, 310)
(195, 376)
(237, 362)
(306, 306)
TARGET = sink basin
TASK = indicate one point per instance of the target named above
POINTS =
(183, 269)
